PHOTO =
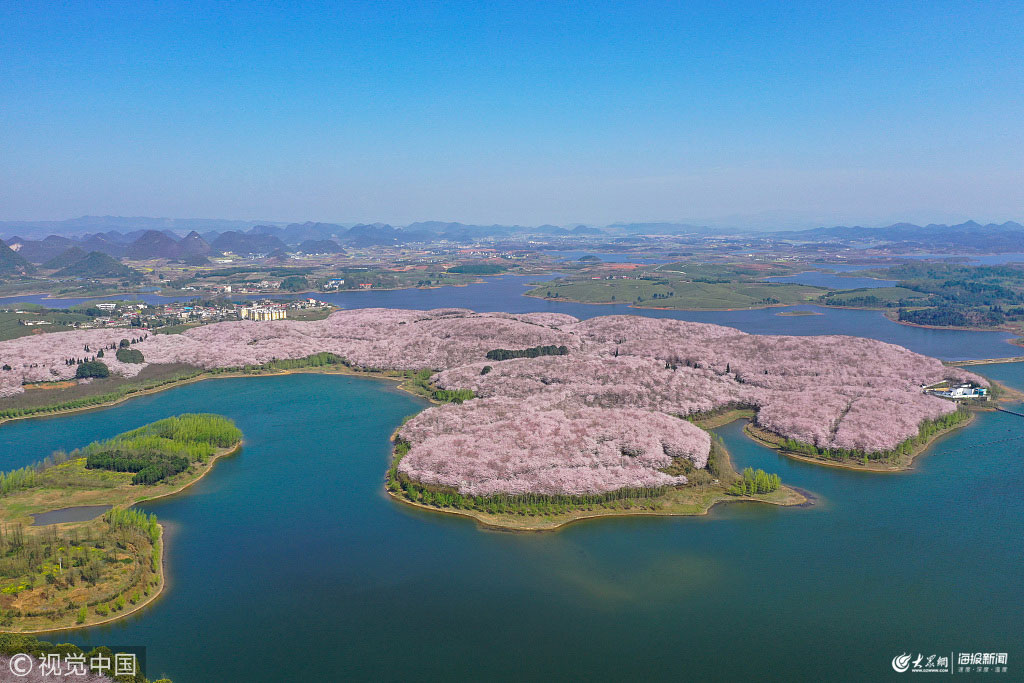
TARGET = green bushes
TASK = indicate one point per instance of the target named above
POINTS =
(526, 505)
(532, 352)
(478, 269)
(15, 643)
(149, 467)
(99, 399)
(92, 368)
(130, 518)
(294, 283)
(754, 482)
(718, 462)
(452, 395)
(317, 360)
(130, 356)
(164, 448)
(420, 382)
(16, 480)
(925, 431)
(198, 428)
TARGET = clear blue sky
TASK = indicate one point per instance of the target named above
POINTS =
(520, 112)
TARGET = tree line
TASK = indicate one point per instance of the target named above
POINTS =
(530, 504)
(98, 399)
(925, 430)
(755, 481)
(532, 352)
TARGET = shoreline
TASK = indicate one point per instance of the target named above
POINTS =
(1017, 340)
(162, 580)
(271, 293)
(701, 503)
(207, 374)
(664, 308)
(489, 522)
(156, 592)
(755, 433)
(678, 502)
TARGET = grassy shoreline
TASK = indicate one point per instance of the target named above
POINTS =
(118, 498)
(206, 374)
(1018, 340)
(684, 501)
(905, 463)
(145, 602)
(699, 504)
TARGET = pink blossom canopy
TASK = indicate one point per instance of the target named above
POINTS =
(603, 417)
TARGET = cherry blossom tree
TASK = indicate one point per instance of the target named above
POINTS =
(604, 416)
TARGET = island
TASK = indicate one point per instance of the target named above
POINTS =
(60, 573)
(533, 421)
(544, 403)
(922, 294)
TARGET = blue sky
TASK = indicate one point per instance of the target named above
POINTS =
(523, 112)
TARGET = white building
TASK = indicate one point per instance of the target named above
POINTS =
(263, 313)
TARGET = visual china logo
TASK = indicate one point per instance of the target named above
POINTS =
(901, 663)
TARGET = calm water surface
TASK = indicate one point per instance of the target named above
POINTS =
(78, 513)
(287, 562)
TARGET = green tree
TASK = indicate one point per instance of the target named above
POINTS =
(92, 368)
(294, 283)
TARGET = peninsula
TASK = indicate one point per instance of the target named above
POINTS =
(81, 573)
(539, 420)
(559, 406)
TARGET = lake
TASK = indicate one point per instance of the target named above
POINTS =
(505, 293)
(288, 562)
(79, 513)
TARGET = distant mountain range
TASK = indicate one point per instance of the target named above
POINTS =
(13, 263)
(193, 240)
(96, 264)
(129, 225)
(72, 262)
(108, 231)
(996, 237)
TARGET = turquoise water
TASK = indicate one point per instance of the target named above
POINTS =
(288, 563)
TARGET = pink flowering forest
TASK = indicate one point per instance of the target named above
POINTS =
(601, 418)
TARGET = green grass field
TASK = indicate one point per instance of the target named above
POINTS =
(63, 392)
(885, 296)
(726, 271)
(10, 327)
(679, 294)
